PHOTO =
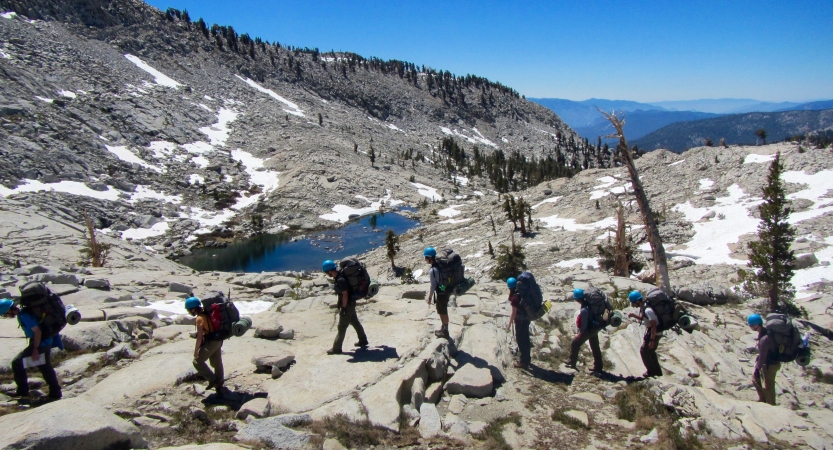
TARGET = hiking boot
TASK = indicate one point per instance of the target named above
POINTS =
(520, 365)
(571, 365)
(595, 370)
(333, 351)
(361, 344)
(57, 396)
(18, 394)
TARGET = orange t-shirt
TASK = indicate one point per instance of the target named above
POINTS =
(204, 322)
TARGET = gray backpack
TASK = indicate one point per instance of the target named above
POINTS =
(599, 307)
(781, 329)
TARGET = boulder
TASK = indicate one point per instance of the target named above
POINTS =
(279, 358)
(271, 432)
(414, 295)
(455, 426)
(215, 446)
(581, 416)
(268, 326)
(92, 336)
(57, 278)
(806, 260)
(179, 287)
(429, 421)
(258, 407)
(278, 290)
(471, 382)
(68, 424)
(123, 313)
(286, 334)
(97, 284)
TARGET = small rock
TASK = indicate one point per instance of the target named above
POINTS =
(471, 382)
(477, 426)
(429, 421)
(286, 334)
(581, 416)
(181, 288)
(651, 437)
(280, 359)
(589, 396)
(458, 403)
(258, 407)
(97, 284)
(199, 414)
(332, 444)
(276, 372)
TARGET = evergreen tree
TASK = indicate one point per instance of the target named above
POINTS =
(372, 156)
(761, 133)
(509, 209)
(392, 245)
(510, 262)
(491, 250)
(770, 255)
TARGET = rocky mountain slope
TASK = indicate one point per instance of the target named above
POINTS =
(127, 363)
(736, 129)
(163, 128)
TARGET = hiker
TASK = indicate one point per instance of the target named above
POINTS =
(39, 346)
(347, 316)
(521, 322)
(438, 292)
(648, 351)
(208, 347)
(587, 331)
(767, 364)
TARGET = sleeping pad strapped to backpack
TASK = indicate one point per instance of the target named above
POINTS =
(357, 277)
(45, 305)
(452, 270)
(531, 297)
(667, 310)
(222, 315)
(785, 333)
(599, 307)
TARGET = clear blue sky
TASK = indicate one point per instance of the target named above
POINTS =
(653, 51)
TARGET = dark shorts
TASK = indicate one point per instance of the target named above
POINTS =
(442, 303)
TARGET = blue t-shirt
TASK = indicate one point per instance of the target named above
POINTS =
(27, 321)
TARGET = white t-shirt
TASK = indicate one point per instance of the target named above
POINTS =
(649, 316)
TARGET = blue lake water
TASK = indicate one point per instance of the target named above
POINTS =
(279, 252)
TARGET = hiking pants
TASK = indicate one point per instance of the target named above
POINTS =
(649, 357)
(344, 320)
(766, 390)
(579, 340)
(212, 352)
(46, 370)
(522, 337)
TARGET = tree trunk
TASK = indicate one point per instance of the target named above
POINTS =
(660, 262)
(620, 259)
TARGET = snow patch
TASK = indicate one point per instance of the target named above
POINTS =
(451, 211)
(218, 132)
(198, 147)
(159, 77)
(44, 99)
(162, 149)
(143, 233)
(343, 213)
(706, 183)
(427, 191)
(803, 278)
(549, 200)
(293, 108)
(200, 161)
(452, 221)
(196, 179)
(67, 187)
(676, 163)
(124, 154)
(267, 180)
(460, 179)
(754, 158)
(177, 307)
(67, 94)
(571, 225)
(8, 15)
(586, 263)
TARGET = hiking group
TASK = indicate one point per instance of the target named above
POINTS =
(42, 315)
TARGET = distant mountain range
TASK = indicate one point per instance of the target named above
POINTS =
(642, 119)
(736, 129)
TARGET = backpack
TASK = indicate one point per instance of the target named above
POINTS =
(45, 306)
(221, 314)
(668, 311)
(356, 275)
(452, 270)
(531, 297)
(781, 329)
(599, 307)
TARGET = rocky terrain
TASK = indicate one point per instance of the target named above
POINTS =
(167, 137)
(127, 363)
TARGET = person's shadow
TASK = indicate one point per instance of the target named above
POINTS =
(372, 354)
(233, 400)
(549, 375)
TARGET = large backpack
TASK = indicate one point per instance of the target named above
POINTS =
(45, 306)
(781, 329)
(356, 275)
(222, 315)
(599, 307)
(531, 297)
(668, 311)
(452, 270)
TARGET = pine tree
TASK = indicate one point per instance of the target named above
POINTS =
(520, 212)
(372, 156)
(770, 255)
(761, 133)
(491, 249)
(392, 245)
(510, 262)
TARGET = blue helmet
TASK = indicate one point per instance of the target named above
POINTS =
(5, 305)
(328, 265)
(430, 251)
(755, 319)
(578, 294)
(634, 296)
(512, 283)
(192, 302)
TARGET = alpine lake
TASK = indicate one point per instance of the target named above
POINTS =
(284, 251)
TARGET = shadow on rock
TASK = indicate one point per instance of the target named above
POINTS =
(233, 400)
(372, 354)
(550, 376)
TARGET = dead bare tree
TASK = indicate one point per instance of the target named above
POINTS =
(621, 263)
(660, 261)
(95, 252)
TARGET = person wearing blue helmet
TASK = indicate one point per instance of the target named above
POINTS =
(586, 333)
(437, 291)
(346, 308)
(520, 321)
(38, 347)
(650, 340)
(767, 364)
(208, 347)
